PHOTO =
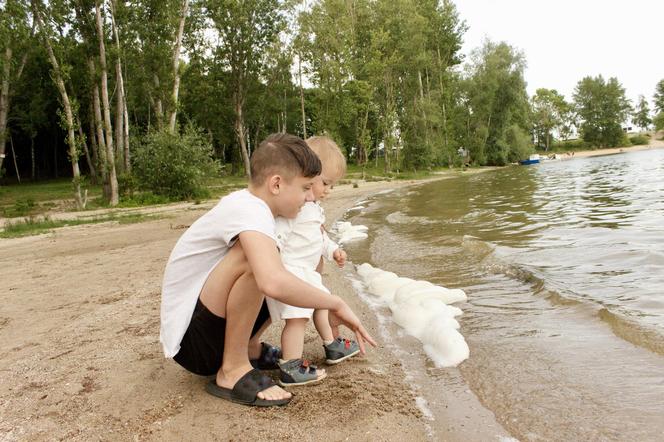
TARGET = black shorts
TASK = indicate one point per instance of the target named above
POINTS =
(202, 346)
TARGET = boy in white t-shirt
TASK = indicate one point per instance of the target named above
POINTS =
(303, 242)
(212, 308)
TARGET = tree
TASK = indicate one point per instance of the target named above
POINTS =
(548, 108)
(15, 36)
(602, 107)
(42, 20)
(641, 116)
(659, 96)
(497, 100)
(246, 28)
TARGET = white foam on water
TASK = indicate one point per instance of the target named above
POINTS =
(347, 232)
(421, 309)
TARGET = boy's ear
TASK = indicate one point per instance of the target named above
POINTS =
(274, 184)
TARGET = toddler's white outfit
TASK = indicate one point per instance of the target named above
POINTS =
(302, 242)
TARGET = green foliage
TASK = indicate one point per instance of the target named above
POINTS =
(641, 116)
(140, 199)
(550, 112)
(602, 107)
(496, 94)
(41, 192)
(659, 96)
(174, 165)
(576, 144)
(519, 142)
(639, 140)
(127, 184)
(21, 207)
(658, 121)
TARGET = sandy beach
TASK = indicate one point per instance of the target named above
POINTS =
(80, 358)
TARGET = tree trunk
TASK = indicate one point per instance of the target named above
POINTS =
(156, 103)
(88, 158)
(18, 175)
(110, 154)
(304, 119)
(122, 117)
(99, 125)
(176, 68)
(119, 115)
(91, 135)
(442, 98)
(125, 133)
(240, 133)
(4, 102)
(32, 155)
(69, 117)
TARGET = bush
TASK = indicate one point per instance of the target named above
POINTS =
(577, 143)
(175, 165)
(638, 140)
(127, 184)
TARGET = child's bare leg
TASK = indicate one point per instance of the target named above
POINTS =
(231, 292)
(322, 324)
(292, 341)
(292, 338)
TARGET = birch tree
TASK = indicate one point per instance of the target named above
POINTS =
(106, 108)
(42, 20)
(15, 35)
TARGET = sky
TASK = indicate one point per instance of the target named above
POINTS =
(566, 40)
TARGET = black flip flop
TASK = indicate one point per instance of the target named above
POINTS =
(269, 358)
(246, 390)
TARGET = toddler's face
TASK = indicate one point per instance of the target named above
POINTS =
(323, 184)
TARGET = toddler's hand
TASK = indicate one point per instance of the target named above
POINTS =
(339, 257)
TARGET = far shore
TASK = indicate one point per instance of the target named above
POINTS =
(654, 144)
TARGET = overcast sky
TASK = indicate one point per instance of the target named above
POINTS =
(566, 40)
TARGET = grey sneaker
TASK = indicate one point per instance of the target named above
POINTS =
(299, 372)
(339, 350)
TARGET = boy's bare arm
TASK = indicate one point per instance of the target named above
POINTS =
(278, 283)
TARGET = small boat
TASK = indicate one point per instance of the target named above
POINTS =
(533, 159)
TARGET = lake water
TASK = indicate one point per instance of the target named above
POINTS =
(563, 264)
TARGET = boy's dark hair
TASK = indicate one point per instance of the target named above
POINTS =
(285, 155)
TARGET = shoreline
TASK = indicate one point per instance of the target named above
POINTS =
(654, 144)
(82, 359)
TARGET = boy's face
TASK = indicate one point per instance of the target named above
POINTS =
(323, 184)
(293, 195)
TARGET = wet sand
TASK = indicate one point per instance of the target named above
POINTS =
(80, 357)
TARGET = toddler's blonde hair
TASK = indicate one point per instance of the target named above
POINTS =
(331, 157)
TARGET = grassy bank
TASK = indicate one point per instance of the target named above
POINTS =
(39, 225)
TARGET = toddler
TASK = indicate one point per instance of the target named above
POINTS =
(303, 241)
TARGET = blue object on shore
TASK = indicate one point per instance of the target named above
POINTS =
(533, 159)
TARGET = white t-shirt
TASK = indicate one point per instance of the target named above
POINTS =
(198, 251)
